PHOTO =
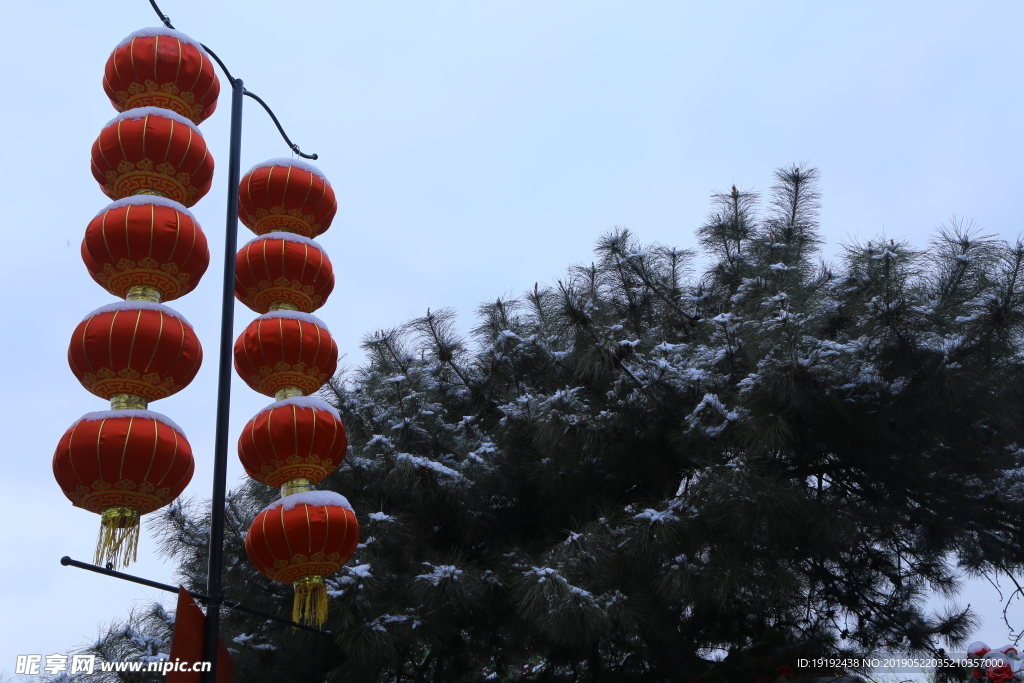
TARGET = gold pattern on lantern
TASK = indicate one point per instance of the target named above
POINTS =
(150, 192)
(128, 402)
(283, 306)
(288, 392)
(144, 293)
(297, 485)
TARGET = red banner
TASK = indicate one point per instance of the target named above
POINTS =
(187, 645)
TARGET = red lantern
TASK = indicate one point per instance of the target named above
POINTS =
(134, 347)
(286, 195)
(161, 67)
(122, 464)
(145, 243)
(285, 350)
(152, 151)
(295, 439)
(281, 268)
(300, 539)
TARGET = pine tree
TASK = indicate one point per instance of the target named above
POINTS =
(630, 473)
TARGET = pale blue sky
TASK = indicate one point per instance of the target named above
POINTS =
(475, 148)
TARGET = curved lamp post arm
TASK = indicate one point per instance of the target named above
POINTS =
(291, 145)
(294, 147)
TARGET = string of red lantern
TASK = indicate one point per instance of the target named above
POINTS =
(145, 248)
(288, 354)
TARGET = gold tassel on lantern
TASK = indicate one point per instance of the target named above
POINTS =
(310, 605)
(118, 542)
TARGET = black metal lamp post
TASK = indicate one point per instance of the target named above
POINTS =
(220, 452)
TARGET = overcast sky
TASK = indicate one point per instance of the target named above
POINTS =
(475, 148)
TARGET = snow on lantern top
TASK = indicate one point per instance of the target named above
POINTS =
(313, 498)
(287, 236)
(135, 306)
(143, 112)
(154, 31)
(309, 402)
(138, 200)
(296, 315)
(297, 163)
(117, 414)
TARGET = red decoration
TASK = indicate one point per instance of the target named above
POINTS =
(133, 460)
(147, 243)
(302, 545)
(286, 196)
(158, 152)
(288, 441)
(187, 644)
(272, 271)
(999, 674)
(134, 348)
(122, 465)
(164, 69)
(306, 540)
(285, 349)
